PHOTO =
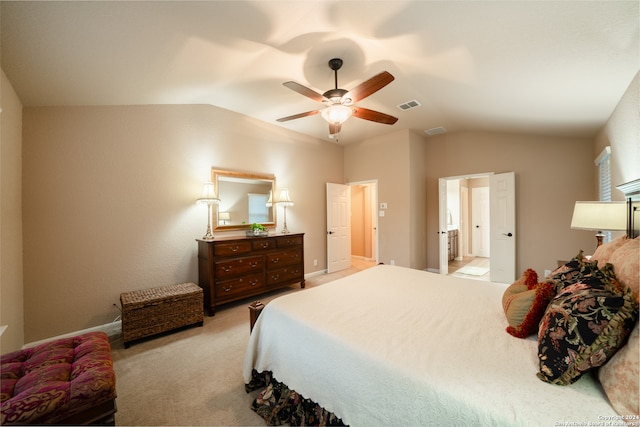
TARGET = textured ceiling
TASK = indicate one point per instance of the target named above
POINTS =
(547, 67)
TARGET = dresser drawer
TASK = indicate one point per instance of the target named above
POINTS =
(232, 248)
(283, 258)
(236, 266)
(263, 244)
(283, 274)
(286, 242)
(238, 286)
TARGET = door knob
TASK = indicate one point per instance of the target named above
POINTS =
(507, 234)
(329, 232)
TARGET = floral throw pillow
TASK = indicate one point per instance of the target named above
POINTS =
(620, 377)
(584, 325)
(570, 272)
(603, 252)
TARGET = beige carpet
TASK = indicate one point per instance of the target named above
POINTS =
(194, 377)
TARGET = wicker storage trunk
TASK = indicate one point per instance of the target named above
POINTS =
(152, 311)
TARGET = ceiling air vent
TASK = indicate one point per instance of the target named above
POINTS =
(435, 131)
(409, 105)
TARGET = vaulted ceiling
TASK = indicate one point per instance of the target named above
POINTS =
(546, 67)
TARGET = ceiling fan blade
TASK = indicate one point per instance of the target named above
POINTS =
(298, 116)
(334, 129)
(370, 86)
(374, 116)
(303, 90)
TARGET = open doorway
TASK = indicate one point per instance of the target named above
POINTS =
(489, 231)
(364, 223)
(468, 248)
(352, 226)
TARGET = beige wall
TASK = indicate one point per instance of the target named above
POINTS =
(386, 158)
(11, 279)
(622, 133)
(551, 174)
(109, 200)
(418, 202)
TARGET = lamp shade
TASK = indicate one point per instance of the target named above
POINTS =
(208, 195)
(599, 216)
(224, 216)
(269, 200)
(284, 198)
(336, 114)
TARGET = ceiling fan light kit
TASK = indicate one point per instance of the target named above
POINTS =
(339, 102)
(336, 114)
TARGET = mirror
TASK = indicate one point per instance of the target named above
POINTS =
(243, 199)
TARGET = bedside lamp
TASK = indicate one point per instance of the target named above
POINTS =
(285, 201)
(208, 198)
(599, 217)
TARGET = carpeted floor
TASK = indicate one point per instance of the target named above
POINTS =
(193, 377)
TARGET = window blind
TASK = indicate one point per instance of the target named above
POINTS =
(603, 164)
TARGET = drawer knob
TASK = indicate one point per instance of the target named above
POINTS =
(253, 282)
(253, 264)
(235, 248)
(264, 245)
(227, 288)
(275, 260)
(226, 268)
(275, 277)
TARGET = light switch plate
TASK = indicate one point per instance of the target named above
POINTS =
(380, 213)
(383, 205)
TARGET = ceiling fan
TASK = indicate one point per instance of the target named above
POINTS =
(339, 103)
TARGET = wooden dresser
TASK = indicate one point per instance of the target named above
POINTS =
(234, 268)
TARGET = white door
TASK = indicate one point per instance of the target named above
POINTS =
(338, 227)
(503, 227)
(480, 221)
(443, 234)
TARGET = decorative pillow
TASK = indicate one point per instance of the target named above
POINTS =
(583, 327)
(620, 377)
(570, 272)
(515, 306)
(533, 302)
(626, 264)
(524, 302)
(604, 252)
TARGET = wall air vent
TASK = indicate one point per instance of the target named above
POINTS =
(435, 131)
(409, 105)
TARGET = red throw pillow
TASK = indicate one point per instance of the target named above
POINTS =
(544, 293)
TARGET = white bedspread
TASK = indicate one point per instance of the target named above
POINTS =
(397, 346)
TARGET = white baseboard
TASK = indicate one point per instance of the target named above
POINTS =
(110, 329)
(314, 274)
(434, 270)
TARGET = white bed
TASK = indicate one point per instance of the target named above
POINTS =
(398, 346)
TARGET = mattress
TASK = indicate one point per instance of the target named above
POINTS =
(397, 346)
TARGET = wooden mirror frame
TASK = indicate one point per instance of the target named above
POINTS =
(219, 175)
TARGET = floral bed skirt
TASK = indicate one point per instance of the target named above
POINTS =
(280, 405)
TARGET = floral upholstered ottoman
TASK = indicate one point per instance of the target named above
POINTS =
(67, 381)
